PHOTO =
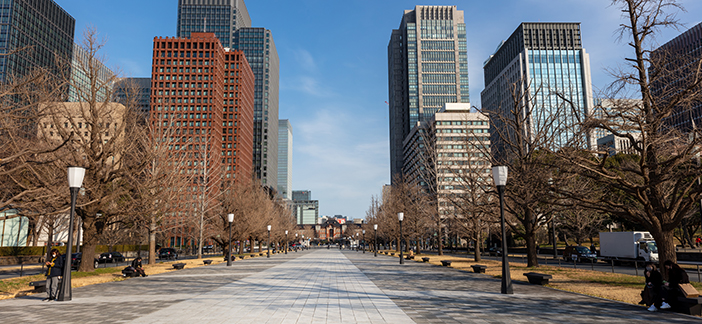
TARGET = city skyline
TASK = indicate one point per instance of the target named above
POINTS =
(334, 81)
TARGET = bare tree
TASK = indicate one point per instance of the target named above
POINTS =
(656, 185)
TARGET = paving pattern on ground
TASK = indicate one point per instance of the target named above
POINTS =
(323, 286)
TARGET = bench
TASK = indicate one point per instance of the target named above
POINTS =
(446, 263)
(260, 254)
(208, 262)
(425, 259)
(178, 266)
(39, 286)
(241, 257)
(409, 257)
(393, 253)
(479, 268)
(538, 278)
(690, 306)
(253, 255)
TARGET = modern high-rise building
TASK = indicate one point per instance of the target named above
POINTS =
(230, 21)
(675, 69)
(539, 64)
(427, 67)
(84, 63)
(40, 31)
(285, 142)
(305, 210)
(202, 105)
(138, 87)
(259, 48)
(222, 17)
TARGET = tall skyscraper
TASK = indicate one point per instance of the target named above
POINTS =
(139, 87)
(82, 64)
(230, 21)
(427, 67)
(259, 48)
(285, 142)
(542, 61)
(305, 210)
(202, 104)
(42, 30)
(676, 63)
(222, 17)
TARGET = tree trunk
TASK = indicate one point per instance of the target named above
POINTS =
(90, 243)
(478, 249)
(50, 241)
(666, 246)
(532, 260)
(440, 239)
(152, 241)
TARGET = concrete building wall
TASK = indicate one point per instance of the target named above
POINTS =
(285, 143)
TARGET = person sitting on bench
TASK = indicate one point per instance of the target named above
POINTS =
(136, 264)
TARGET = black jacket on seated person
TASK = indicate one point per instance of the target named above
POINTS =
(136, 264)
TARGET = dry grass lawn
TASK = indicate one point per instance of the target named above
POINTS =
(15, 287)
(607, 285)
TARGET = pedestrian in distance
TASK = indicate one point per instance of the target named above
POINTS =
(136, 264)
(653, 294)
(54, 271)
(698, 240)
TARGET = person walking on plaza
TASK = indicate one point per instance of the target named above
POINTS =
(698, 240)
(54, 271)
(653, 293)
(136, 264)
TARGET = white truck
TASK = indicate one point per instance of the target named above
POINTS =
(620, 247)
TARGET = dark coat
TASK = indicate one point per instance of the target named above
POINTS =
(136, 264)
(57, 269)
(676, 276)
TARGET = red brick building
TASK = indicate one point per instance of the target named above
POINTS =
(202, 99)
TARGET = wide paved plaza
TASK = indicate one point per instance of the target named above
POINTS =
(323, 286)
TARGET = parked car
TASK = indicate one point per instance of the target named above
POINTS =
(168, 253)
(75, 261)
(494, 251)
(578, 253)
(208, 249)
(111, 257)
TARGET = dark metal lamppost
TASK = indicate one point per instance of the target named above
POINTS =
(375, 240)
(269, 242)
(230, 218)
(75, 181)
(400, 217)
(364, 241)
(499, 175)
(286, 242)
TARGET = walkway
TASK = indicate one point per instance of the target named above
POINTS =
(323, 286)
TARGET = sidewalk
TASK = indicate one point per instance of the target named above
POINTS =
(323, 286)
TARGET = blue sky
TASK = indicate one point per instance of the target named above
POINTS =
(333, 69)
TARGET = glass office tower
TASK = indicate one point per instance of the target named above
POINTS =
(427, 67)
(259, 49)
(547, 63)
(222, 17)
(285, 142)
(41, 25)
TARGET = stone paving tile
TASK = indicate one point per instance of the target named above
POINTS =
(433, 294)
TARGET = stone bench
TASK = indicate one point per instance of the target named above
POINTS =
(538, 278)
(178, 266)
(208, 262)
(478, 268)
(690, 306)
(446, 263)
(409, 257)
(260, 254)
(425, 259)
(392, 254)
(39, 286)
(253, 255)
(241, 257)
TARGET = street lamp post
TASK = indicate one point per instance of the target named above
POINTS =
(375, 240)
(269, 242)
(358, 243)
(286, 242)
(230, 218)
(75, 181)
(499, 175)
(400, 217)
(364, 241)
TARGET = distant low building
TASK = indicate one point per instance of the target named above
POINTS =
(305, 210)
